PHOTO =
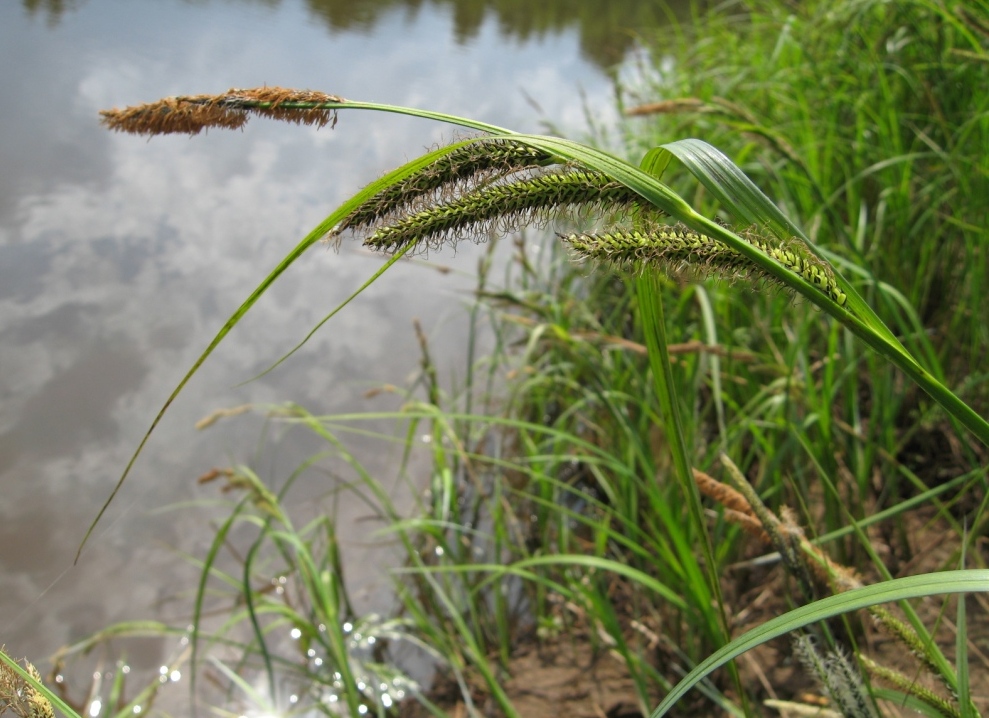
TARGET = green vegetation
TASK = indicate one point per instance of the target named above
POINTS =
(565, 479)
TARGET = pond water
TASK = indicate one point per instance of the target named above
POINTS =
(120, 258)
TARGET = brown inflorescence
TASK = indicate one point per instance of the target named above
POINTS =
(191, 114)
(19, 696)
(737, 509)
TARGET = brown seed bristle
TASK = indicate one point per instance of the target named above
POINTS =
(193, 113)
(678, 104)
(185, 115)
(303, 107)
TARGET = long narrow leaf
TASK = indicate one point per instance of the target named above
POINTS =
(945, 582)
(320, 231)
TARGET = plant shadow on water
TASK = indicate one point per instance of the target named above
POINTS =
(563, 520)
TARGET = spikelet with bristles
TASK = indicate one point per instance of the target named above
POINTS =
(910, 686)
(461, 170)
(840, 680)
(906, 634)
(192, 114)
(797, 257)
(680, 249)
(503, 207)
(676, 247)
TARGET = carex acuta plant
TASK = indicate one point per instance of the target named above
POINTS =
(497, 180)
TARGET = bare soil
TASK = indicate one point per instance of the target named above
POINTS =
(578, 673)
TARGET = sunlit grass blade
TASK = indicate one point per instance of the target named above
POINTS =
(966, 708)
(520, 568)
(265, 703)
(945, 582)
(38, 686)
(318, 233)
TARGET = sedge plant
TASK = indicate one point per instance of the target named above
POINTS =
(500, 180)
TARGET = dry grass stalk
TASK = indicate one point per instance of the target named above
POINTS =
(191, 114)
(679, 104)
(737, 509)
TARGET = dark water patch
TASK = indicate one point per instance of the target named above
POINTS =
(22, 270)
(75, 406)
(28, 544)
(606, 29)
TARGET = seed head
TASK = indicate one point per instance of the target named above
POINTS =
(193, 113)
(680, 249)
(462, 170)
(504, 207)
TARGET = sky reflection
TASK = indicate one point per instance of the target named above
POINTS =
(120, 258)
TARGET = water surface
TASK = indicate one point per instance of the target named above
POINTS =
(120, 258)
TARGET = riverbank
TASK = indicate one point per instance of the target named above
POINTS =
(554, 527)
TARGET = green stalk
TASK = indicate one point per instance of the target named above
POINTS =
(649, 290)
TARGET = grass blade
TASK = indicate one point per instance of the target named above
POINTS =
(945, 582)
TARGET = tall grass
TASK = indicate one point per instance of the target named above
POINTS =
(862, 119)
(572, 501)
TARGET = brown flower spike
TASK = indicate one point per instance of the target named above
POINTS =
(191, 114)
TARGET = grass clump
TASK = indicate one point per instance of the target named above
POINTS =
(862, 119)
(570, 503)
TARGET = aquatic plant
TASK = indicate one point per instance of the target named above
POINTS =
(191, 114)
(500, 180)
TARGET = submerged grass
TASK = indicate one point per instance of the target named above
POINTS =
(565, 479)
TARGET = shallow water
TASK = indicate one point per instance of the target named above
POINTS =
(120, 258)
